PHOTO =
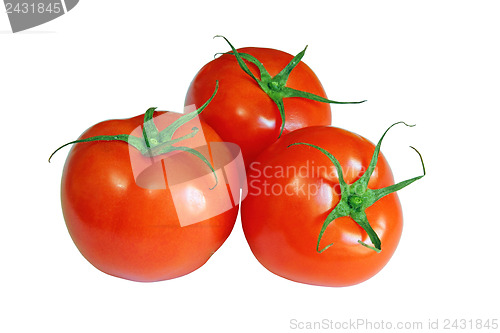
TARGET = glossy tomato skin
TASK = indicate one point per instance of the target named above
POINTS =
(243, 113)
(292, 190)
(132, 231)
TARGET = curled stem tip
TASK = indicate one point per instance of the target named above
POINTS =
(421, 159)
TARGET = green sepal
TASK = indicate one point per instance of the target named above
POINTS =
(136, 142)
(356, 197)
(201, 157)
(167, 134)
(275, 87)
(361, 219)
(341, 210)
(153, 142)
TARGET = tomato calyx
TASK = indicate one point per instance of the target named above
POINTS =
(275, 87)
(356, 197)
(154, 142)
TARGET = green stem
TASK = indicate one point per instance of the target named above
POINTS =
(356, 197)
(275, 87)
(149, 130)
(153, 142)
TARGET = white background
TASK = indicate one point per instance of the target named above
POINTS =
(432, 63)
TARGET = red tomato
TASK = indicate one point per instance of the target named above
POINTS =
(292, 191)
(131, 220)
(243, 113)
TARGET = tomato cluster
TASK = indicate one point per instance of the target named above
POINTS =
(153, 197)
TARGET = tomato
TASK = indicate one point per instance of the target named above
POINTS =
(254, 111)
(147, 218)
(305, 224)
